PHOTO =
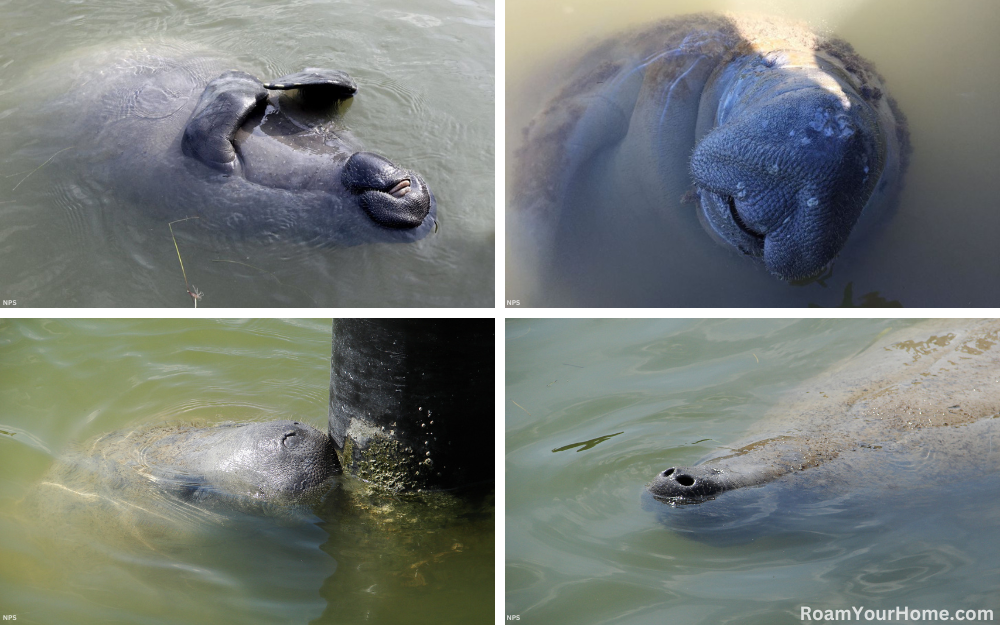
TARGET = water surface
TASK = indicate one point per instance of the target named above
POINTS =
(356, 557)
(425, 101)
(595, 408)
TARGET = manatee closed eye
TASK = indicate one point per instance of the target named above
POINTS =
(783, 137)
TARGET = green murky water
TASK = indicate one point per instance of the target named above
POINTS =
(595, 408)
(355, 558)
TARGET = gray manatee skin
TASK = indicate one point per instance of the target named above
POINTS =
(173, 129)
(928, 393)
(782, 137)
(247, 467)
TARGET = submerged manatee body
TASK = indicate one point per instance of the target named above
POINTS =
(923, 401)
(176, 130)
(159, 477)
(784, 140)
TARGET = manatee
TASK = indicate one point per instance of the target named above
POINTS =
(925, 398)
(153, 475)
(178, 129)
(785, 141)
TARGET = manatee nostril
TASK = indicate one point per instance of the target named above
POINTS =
(684, 480)
(667, 472)
(289, 438)
(365, 171)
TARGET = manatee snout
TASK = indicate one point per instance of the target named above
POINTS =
(688, 484)
(785, 178)
(273, 460)
(391, 196)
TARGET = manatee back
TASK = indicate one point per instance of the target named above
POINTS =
(608, 95)
(100, 488)
(130, 98)
(929, 375)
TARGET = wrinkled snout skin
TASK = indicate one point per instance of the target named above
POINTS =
(272, 461)
(792, 158)
(392, 197)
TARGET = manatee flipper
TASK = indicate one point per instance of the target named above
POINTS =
(225, 104)
(316, 83)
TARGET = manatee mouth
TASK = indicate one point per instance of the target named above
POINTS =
(722, 217)
(402, 188)
(735, 214)
(392, 197)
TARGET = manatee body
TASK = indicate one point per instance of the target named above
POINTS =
(924, 399)
(156, 479)
(784, 140)
(177, 129)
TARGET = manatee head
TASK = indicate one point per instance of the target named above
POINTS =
(309, 179)
(792, 157)
(392, 197)
(271, 461)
